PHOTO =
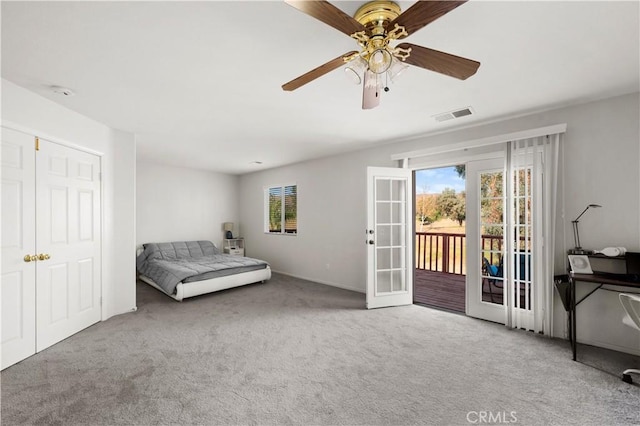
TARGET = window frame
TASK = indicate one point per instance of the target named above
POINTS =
(266, 216)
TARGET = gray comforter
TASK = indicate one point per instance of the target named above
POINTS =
(167, 264)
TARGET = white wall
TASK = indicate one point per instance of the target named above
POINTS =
(601, 151)
(179, 204)
(26, 111)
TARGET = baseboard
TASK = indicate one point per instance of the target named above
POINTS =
(605, 345)
(342, 286)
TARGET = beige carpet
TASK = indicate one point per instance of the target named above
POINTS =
(295, 352)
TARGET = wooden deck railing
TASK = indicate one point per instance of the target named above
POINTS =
(443, 252)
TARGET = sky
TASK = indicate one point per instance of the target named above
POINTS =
(433, 181)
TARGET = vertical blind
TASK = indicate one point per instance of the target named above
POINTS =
(530, 233)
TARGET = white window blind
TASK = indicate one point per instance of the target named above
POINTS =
(281, 209)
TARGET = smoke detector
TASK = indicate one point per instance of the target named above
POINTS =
(65, 91)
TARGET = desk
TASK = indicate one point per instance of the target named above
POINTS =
(588, 278)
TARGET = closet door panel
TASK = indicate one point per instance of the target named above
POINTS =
(68, 235)
(17, 286)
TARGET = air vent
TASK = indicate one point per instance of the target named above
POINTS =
(461, 113)
(453, 114)
(444, 117)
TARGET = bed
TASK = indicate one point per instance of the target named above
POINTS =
(183, 269)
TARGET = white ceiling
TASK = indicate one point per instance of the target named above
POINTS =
(199, 82)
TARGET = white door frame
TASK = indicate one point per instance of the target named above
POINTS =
(449, 160)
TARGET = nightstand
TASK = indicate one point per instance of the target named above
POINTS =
(233, 246)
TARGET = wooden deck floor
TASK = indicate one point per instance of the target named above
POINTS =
(447, 291)
(440, 290)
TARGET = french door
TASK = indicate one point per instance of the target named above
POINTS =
(486, 279)
(51, 244)
(389, 237)
(501, 211)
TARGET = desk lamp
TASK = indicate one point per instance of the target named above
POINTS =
(576, 235)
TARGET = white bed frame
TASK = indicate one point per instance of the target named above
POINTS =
(196, 288)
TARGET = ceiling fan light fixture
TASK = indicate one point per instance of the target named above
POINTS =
(397, 68)
(352, 75)
(354, 70)
(380, 61)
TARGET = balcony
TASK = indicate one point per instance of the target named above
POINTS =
(440, 273)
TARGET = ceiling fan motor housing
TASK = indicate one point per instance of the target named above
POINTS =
(377, 14)
(375, 17)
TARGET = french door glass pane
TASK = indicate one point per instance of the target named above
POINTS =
(397, 212)
(383, 258)
(383, 283)
(396, 258)
(397, 190)
(383, 235)
(383, 190)
(397, 277)
(492, 236)
(383, 212)
(491, 185)
(397, 235)
(491, 211)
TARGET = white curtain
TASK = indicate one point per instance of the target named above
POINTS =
(532, 166)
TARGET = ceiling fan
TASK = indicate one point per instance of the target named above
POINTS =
(375, 26)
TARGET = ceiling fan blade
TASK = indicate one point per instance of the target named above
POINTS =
(329, 14)
(316, 72)
(423, 13)
(370, 91)
(443, 63)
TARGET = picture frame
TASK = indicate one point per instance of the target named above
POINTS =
(580, 264)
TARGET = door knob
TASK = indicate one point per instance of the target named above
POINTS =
(43, 256)
(30, 258)
(370, 241)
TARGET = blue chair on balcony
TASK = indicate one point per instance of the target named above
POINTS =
(494, 272)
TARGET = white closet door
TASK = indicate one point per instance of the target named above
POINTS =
(68, 232)
(18, 293)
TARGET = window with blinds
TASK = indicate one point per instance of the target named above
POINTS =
(281, 209)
